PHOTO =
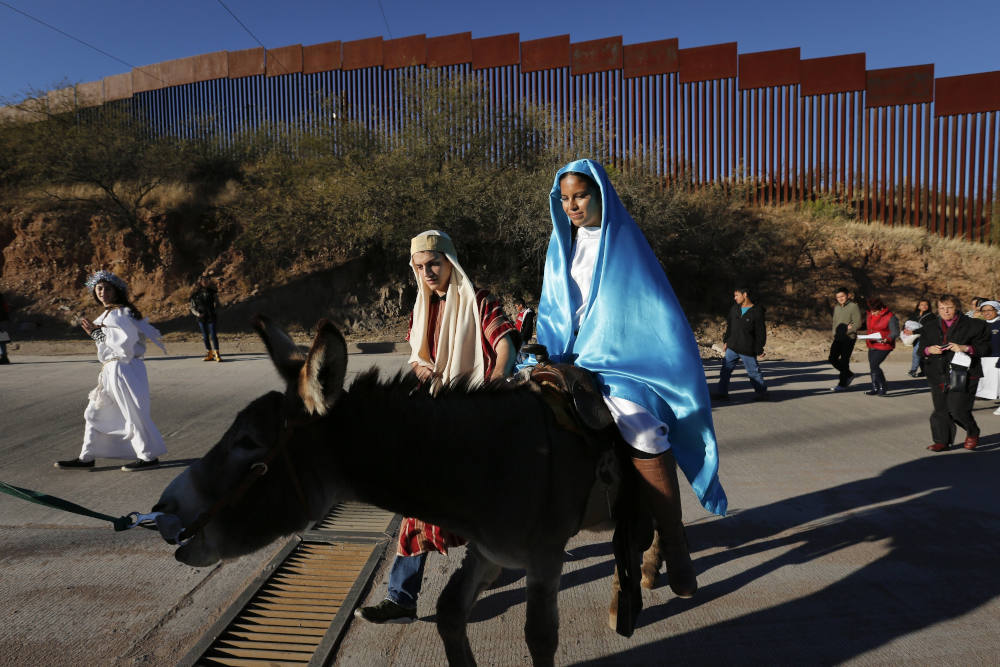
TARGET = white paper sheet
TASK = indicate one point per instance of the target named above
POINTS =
(961, 359)
(871, 336)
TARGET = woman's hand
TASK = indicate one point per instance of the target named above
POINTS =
(955, 347)
(934, 349)
(88, 326)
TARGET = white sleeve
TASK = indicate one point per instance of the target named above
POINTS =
(120, 333)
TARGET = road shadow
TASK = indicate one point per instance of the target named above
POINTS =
(939, 518)
(176, 463)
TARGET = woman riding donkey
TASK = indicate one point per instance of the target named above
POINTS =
(118, 422)
(607, 306)
(456, 332)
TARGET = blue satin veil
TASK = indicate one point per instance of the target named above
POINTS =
(634, 335)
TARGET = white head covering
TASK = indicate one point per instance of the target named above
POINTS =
(996, 307)
(459, 350)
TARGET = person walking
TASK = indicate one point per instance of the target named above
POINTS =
(743, 341)
(117, 420)
(954, 345)
(204, 304)
(524, 320)
(920, 315)
(882, 329)
(846, 323)
(4, 333)
(989, 385)
(456, 331)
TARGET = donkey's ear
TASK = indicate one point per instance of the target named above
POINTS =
(321, 378)
(285, 354)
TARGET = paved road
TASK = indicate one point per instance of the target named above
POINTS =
(846, 541)
(73, 591)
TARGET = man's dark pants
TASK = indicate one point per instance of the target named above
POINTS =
(840, 357)
(951, 408)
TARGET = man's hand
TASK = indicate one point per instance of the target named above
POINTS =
(423, 373)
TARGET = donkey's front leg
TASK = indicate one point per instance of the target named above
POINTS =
(455, 603)
(541, 626)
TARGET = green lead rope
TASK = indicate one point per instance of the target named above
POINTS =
(121, 523)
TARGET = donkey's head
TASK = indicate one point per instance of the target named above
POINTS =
(259, 481)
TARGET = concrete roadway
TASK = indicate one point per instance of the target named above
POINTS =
(73, 591)
(846, 541)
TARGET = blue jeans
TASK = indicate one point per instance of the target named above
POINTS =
(749, 363)
(405, 577)
(208, 332)
(918, 356)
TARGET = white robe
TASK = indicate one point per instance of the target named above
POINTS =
(118, 422)
(989, 384)
(638, 426)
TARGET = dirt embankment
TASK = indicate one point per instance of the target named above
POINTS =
(46, 257)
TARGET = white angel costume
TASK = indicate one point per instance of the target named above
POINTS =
(989, 384)
(118, 421)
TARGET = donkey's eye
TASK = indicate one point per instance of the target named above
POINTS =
(245, 443)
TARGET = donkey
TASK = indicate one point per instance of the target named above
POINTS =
(288, 457)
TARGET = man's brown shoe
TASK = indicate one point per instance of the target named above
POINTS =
(937, 447)
(971, 442)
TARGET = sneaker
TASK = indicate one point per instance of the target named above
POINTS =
(74, 463)
(386, 611)
(139, 464)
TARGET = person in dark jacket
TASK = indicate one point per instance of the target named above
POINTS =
(4, 335)
(953, 347)
(743, 341)
(204, 305)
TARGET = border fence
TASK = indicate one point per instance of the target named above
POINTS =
(898, 145)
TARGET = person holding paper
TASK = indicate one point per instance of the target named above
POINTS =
(920, 315)
(953, 348)
(883, 330)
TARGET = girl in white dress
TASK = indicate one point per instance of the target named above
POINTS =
(118, 422)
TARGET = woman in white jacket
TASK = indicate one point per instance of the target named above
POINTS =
(118, 422)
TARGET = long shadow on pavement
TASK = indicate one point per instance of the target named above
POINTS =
(939, 517)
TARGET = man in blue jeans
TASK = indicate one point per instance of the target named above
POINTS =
(743, 341)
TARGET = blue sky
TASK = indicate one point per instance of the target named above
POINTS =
(960, 37)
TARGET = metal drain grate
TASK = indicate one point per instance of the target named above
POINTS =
(299, 612)
(288, 618)
(356, 518)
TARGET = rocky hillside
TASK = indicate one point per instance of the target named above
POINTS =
(47, 255)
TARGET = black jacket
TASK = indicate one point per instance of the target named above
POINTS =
(965, 331)
(745, 334)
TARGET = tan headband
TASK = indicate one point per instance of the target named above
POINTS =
(432, 243)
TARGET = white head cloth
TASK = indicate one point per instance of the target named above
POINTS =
(459, 350)
(996, 307)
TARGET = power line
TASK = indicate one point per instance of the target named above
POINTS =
(77, 39)
(249, 32)
(384, 18)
